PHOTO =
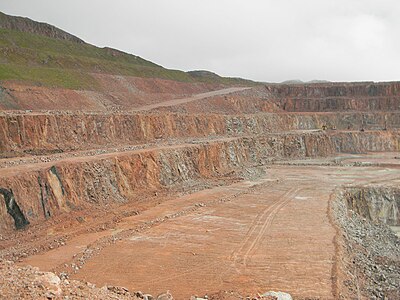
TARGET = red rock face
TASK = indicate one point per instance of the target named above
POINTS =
(49, 133)
(48, 189)
(337, 97)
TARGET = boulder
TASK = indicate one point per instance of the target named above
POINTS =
(278, 295)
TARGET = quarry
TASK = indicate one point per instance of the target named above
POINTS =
(150, 187)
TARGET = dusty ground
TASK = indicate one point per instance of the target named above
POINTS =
(273, 233)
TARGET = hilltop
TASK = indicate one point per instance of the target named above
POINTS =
(42, 54)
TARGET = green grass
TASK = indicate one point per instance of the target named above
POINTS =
(57, 63)
(51, 77)
(45, 45)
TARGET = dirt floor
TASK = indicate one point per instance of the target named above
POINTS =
(273, 233)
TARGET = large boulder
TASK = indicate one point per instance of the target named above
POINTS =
(278, 295)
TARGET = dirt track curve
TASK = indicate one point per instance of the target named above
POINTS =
(190, 99)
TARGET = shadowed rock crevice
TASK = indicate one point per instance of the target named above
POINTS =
(44, 197)
(13, 209)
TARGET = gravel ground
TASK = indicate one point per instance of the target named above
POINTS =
(29, 283)
(371, 254)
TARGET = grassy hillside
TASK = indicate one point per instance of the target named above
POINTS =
(42, 60)
(52, 62)
(209, 77)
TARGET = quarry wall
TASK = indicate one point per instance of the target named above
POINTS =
(47, 189)
(64, 132)
(364, 96)
(376, 204)
(368, 141)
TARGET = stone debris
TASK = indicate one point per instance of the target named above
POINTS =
(165, 296)
(51, 283)
(278, 295)
(29, 283)
(372, 253)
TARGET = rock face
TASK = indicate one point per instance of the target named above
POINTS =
(365, 96)
(62, 132)
(50, 189)
(362, 142)
(375, 204)
(28, 25)
(13, 209)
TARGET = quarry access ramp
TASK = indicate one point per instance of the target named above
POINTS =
(192, 98)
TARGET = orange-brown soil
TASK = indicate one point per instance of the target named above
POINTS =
(114, 93)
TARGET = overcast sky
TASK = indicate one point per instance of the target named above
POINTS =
(266, 40)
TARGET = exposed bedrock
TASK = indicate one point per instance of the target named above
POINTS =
(370, 259)
(318, 90)
(13, 209)
(379, 204)
(337, 96)
(361, 142)
(61, 132)
(340, 104)
(47, 190)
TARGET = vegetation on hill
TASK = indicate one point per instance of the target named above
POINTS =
(209, 77)
(28, 25)
(62, 60)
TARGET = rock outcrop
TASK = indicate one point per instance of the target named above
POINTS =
(52, 188)
(28, 25)
(380, 204)
(55, 132)
(370, 251)
(364, 96)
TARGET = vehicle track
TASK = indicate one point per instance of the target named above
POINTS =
(201, 96)
(95, 248)
(264, 220)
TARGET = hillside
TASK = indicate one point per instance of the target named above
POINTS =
(41, 54)
(30, 26)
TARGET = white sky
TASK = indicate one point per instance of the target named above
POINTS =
(266, 40)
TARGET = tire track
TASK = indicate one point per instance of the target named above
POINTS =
(250, 232)
(268, 222)
(265, 221)
(95, 248)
